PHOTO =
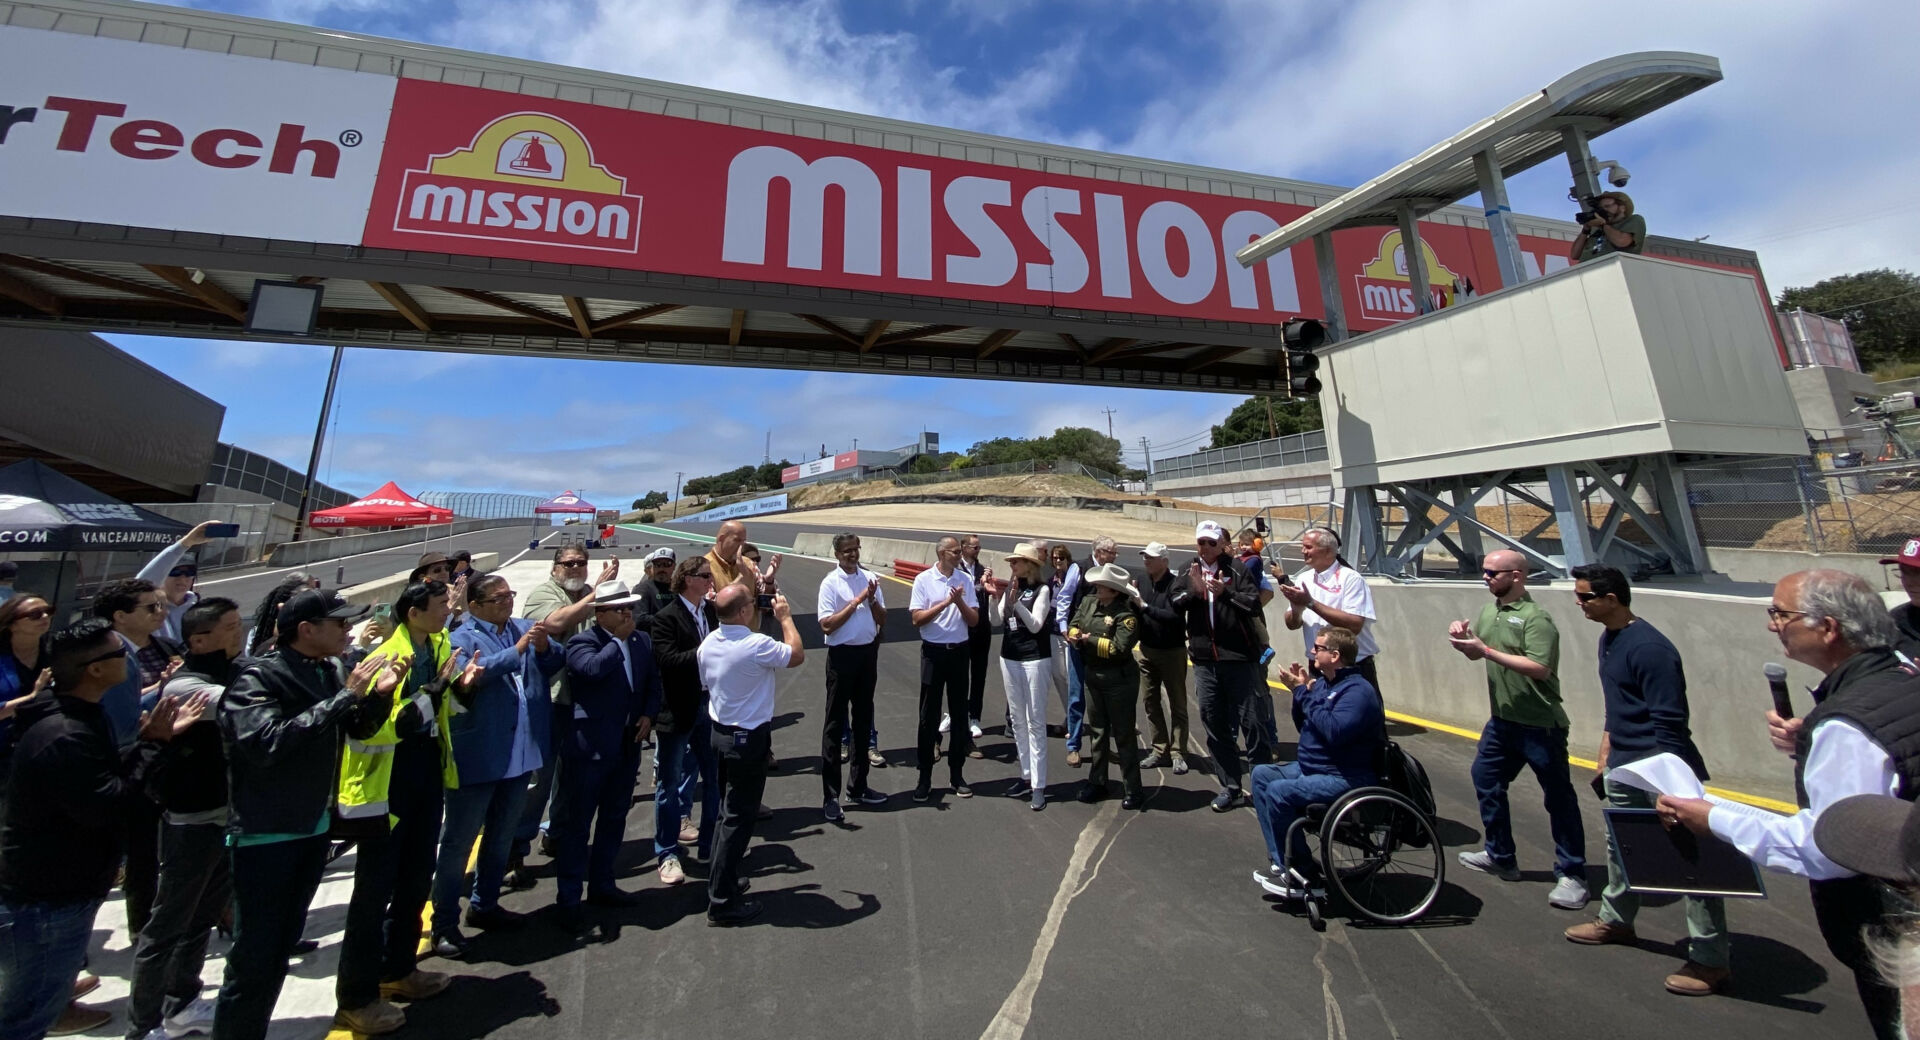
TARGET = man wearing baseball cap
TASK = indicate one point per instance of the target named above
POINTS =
(1906, 616)
(1218, 600)
(655, 589)
(1163, 662)
(282, 722)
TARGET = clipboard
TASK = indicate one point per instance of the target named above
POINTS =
(1678, 861)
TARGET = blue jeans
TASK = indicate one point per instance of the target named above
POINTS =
(1280, 794)
(42, 946)
(683, 762)
(489, 812)
(1507, 747)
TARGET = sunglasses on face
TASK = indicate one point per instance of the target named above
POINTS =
(504, 597)
(1484, 573)
(571, 564)
(613, 610)
(36, 614)
(1206, 541)
(1322, 648)
(1587, 596)
(118, 651)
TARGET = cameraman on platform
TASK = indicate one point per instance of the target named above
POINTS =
(1609, 225)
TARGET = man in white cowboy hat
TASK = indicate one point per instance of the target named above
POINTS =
(616, 693)
(1104, 630)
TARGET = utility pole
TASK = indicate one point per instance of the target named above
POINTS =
(1109, 412)
(1147, 451)
(767, 455)
(319, 440)
(676, 492)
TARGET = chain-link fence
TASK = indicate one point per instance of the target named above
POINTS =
(1834, 501)
(1292, 450)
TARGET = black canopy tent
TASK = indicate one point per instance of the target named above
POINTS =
(43, 510)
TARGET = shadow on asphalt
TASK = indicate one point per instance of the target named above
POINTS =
(475, 1007)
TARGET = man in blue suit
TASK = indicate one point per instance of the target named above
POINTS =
(502, 734)
(616, 694)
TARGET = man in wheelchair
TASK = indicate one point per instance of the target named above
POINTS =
(1342, 728)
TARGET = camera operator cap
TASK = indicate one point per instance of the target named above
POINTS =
(1155, 550)
(1872, 834)
(662, 553)
(1909, 554)
(318, 605)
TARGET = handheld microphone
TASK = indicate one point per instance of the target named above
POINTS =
(1777, 680)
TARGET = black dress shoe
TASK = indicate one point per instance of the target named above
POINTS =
(305, 946)
(571, 919)
(614, 898)
(498, 917)
(738, 912)
(1133, 800)
(1090, 793)
(518, 879)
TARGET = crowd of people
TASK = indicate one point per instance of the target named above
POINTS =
(212, 764)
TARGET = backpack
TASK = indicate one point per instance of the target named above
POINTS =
(1403, 774)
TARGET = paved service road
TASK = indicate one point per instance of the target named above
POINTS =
(977, 918)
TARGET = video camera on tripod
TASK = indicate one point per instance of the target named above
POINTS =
(1878, 408)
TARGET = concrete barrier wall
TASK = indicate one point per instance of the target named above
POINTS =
(1723, 641)
(386, 590)
(1770, 565)
(310, 550)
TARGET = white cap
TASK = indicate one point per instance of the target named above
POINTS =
(1154, 549)
(1209, 529)
(662, 553)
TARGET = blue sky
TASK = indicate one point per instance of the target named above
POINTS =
(1797, 154)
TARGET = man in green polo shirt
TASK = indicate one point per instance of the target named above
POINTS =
(1518, 641)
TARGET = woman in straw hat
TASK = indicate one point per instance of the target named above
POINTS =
(1020, 610)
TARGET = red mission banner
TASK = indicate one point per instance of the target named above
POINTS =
(484, 173)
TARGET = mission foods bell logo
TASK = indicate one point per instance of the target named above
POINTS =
(527, 177)
(1386, 289)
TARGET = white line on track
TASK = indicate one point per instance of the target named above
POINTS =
(1011, 1021)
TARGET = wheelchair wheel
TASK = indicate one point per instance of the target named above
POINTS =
(1382, 855)
(1316, 914)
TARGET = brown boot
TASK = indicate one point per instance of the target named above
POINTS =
(78, 1018)
(1598, 932)
(1697, 980)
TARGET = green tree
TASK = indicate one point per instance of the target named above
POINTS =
(924, 464)
(651, 500)
(1249, 421)
(767, 474)
(1881, 309)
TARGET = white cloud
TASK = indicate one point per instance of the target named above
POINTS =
(1807, 128)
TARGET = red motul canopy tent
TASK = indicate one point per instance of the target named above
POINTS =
(564, 502)
(387, 507)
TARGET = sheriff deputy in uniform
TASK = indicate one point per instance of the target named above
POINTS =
(1104, 631)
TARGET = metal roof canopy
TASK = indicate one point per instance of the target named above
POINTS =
(1558, 120)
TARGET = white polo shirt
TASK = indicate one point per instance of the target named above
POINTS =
(1341, 588)
(841, 588)
(930, 587)
(737, 666)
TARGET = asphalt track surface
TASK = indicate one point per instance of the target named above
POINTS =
(978, 918)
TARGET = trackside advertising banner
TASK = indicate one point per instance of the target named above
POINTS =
(114, 132)
(481, 172)
(752, 507)
(145, 135)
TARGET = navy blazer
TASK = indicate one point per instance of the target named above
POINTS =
(484, 731)
(607, 700)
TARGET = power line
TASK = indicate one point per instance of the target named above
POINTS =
(1868, 303)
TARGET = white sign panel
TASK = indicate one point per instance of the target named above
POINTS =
(114, 132)
(751, 507)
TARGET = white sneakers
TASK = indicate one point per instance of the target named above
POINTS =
(1479, 860)
(196, 1017)
(1568, 894)
(946, 723)
(671, 873)
(973, 729)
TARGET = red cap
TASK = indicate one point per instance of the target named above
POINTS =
(1909, 554)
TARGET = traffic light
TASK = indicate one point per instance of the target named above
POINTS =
(1302, 336)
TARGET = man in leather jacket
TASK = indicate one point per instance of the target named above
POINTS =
(281, 724)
